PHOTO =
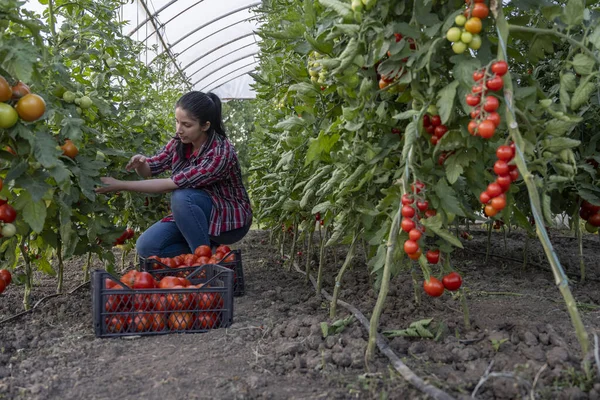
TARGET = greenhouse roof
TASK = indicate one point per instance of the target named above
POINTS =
(211, 42)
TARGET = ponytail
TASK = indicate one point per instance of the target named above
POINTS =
(217, 124)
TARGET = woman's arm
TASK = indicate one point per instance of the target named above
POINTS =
(146, 186)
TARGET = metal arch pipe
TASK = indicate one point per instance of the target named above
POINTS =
(237, 76)
(219, 47)
(226, 54)
(162, 41)
(215, 20)
(225, 66)
(227, 63)
(206, 37)
(151, 16)
(213, 33)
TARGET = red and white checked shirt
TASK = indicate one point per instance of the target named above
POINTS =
(215, 169)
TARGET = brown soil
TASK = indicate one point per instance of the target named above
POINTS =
(275, 348)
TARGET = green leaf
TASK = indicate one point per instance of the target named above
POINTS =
(343, 9)
(324, 329)
(16, 171)
(435, 225)
(18, 58)
(463, 71)
(551, 12)
(556, 127)
(448, 198)
(560, 143)
(410, 138)
(347, 56)
(292, 123)
(45, 150)
(594, 38)
(35, 186)
(44, 265)
(72, 128)
(34, 212)
(322, 207)
(309, 13)
(453, 169)
(583, 64)
(582, 93)
(573, 12)
(320, 146)
(445, 103)
(522, 220)
(60, 173)
(406, 114)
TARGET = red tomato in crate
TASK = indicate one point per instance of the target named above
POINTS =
(210, 301)
(159, 322)
(207, 320)
(116, 324)
(223, 249)
(181, 321)
(203, 251)
(179, 301)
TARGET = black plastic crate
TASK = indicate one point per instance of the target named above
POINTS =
(160, 270)
(121, 311)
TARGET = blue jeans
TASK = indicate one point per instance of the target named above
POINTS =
(191, 210)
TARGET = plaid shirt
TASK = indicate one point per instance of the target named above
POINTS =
(215, 169)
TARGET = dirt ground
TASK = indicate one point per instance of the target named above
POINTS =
(520, 334)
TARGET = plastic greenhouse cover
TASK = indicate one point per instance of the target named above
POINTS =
(211, 41)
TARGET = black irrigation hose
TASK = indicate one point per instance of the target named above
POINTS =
(384, 347)
(40, 301)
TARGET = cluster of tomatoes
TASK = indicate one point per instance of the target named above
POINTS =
(126, 235)
(7, 216)
(591, 214)
(411, 211)
(435, 288)
(27, 106)
(177, 306)
(5, 279)
(485, 118)
(469, 24)
(318, 219)
(433, 126)
(494, 197)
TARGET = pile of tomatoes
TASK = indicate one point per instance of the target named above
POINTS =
(591, 214)
(17, 101)
(469, 24)
(5, 279)
(175, 304)
(493, 197)
(201, 256)
(484, 116)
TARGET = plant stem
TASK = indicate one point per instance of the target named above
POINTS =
(321, 262)
(51, 17)
(465, 307)
(534, 197)
(385, 284)
(86, 267)
(293, 252)
(579, 234)
(489, 241)
(543, 31)
(340, 275)
(28, 274)
(61, 266)
(309, 250)
(416, 286)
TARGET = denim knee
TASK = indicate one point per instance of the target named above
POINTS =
(145, 247)
(180, 199)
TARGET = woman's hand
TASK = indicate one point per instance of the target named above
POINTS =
(111, 185)
(136, 162)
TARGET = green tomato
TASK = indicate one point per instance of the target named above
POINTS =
(432, 110)
(460, 20)
(8, 230)
(69, 96)
(475, 43)
(466, 37)
(453, 34)
(8, 116)
(111, 62)
(459, 47)
(77, 101)
(313, 72)
(591, 228)
(85, 102)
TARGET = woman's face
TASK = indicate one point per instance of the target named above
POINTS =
(189, 129)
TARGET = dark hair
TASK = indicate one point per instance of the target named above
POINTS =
(205, 107)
